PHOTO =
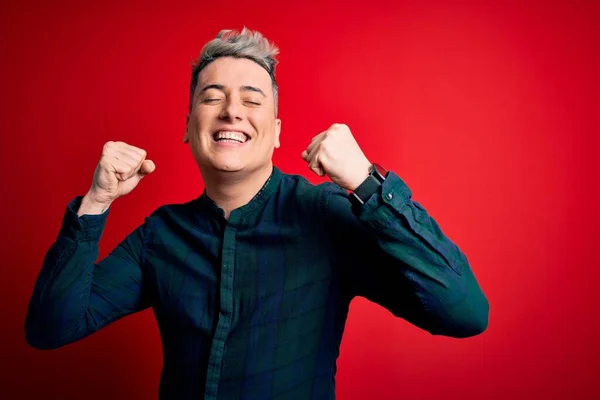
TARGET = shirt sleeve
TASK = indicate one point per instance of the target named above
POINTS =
(393, 253)
(73, 295)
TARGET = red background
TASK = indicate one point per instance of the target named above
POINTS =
(490, 113)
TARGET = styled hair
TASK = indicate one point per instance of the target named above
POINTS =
(245, 44)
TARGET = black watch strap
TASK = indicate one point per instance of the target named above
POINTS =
(369, 186)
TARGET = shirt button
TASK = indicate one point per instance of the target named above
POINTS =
(389, 196)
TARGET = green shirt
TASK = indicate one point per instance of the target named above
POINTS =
(254, 307)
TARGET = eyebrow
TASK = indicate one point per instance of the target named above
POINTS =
(252, 89)
(244, 88)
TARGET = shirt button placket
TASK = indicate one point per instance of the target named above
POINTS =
(224, 323)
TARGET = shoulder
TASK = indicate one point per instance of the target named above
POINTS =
(325, 206)
(173, 209)
(172, 215)
(307, 194)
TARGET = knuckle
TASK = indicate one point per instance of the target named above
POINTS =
(337, 127)
(103, 163)
(104, 159)
(107, 146)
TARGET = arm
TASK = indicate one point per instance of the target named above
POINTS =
(73, 296)
(392, 252)
(397, 256)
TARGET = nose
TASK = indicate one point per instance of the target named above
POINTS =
(231, 110)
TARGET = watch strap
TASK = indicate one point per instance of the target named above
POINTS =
(369, 186)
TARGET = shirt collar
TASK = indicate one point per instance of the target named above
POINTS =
(206, 204)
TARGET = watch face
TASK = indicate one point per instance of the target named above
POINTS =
(382, 171)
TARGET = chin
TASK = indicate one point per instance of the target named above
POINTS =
(219, 163)
(228, 166)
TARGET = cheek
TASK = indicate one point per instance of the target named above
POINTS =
(202, 117)
(263, 124)
(195, 129)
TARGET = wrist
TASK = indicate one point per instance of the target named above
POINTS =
(362, 174)
(89, 206)
(363, 192)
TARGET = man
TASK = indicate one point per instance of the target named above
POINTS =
(251, 282)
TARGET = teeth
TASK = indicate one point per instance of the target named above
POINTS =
(237, 136)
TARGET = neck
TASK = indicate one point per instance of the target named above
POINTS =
(231, 190)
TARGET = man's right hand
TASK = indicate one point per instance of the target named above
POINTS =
(120, 169)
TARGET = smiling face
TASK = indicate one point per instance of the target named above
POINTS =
(232, 125)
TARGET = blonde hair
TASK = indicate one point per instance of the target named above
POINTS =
(245, 44)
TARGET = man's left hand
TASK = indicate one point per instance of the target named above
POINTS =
(336, 154)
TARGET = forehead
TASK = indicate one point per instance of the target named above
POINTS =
(234, 72)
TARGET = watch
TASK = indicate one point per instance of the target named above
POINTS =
(369, 186)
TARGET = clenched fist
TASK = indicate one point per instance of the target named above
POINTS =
(336, 154)
(120, 169)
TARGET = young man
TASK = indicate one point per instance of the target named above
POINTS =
(251, 282)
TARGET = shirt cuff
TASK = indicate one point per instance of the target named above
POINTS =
(394, 193)
(85, 227)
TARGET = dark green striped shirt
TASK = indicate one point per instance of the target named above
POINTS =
(254, 307)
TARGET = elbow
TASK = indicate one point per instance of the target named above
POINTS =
(41, 342)
(36, 339)
(475, 326)
(484, 319)
(470, 322)
(481, 317)
(38, 343)
(464, 328)
(473, 323)
(39, 338)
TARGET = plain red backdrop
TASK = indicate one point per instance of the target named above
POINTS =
(489, 111)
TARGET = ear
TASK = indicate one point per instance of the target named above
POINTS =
(186, 139)
(277, 132)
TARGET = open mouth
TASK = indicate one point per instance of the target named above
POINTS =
(230, 137)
